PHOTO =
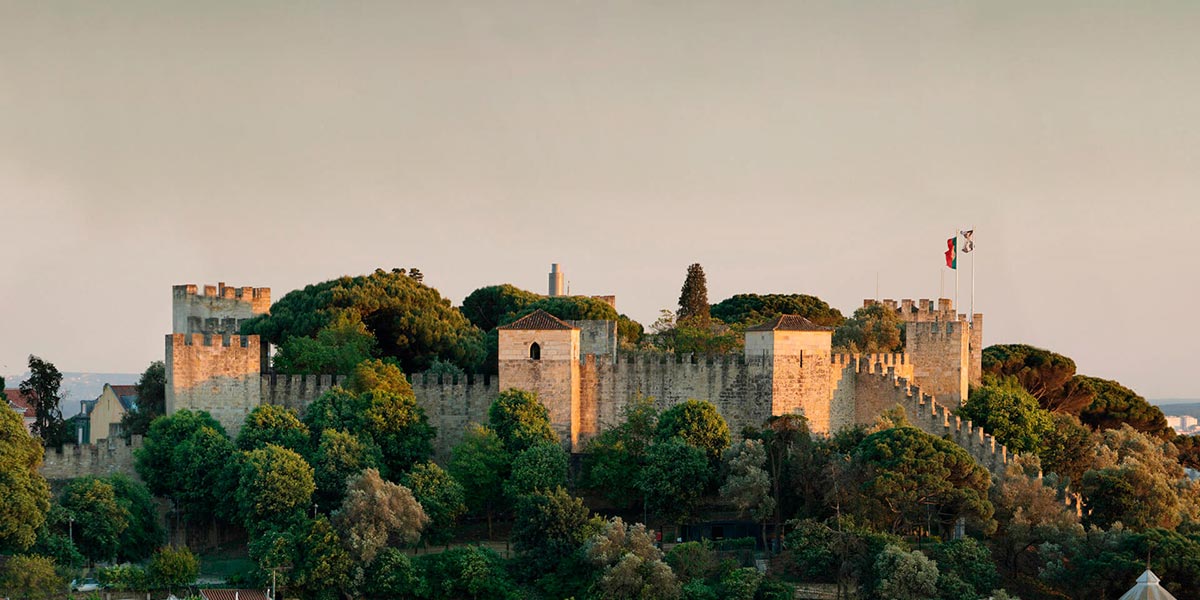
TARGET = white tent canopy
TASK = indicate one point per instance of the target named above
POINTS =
(1147, 588)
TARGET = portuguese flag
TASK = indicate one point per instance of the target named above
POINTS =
(952, 253)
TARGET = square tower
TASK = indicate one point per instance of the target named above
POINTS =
(798, 352)
(540, 353)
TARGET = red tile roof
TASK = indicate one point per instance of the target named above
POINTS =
(539, 320)
(14, 397)
(124, 390)
(233, 595)
(789, 323)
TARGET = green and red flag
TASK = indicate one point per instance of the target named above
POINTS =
(952, 253)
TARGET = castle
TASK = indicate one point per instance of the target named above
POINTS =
(576, 370)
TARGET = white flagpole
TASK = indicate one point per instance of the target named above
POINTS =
(971, 316)
(956, 272)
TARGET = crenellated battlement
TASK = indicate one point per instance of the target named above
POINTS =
(216, 308)
(103, 458)
(915, 311)
(215, 339)
(663, 358)
(927, 414)
(220, 290)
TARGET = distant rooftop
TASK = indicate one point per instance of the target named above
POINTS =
(789, 323)
(539, 320)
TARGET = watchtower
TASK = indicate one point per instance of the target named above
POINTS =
(540, 353)
(209, 366)
(798, 353)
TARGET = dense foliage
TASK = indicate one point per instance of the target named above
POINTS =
(410, 322)
(693, 296)
(151, 400)
(752, 309)
(26, 494)
(874, 328)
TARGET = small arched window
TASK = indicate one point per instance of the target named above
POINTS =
(535, 351)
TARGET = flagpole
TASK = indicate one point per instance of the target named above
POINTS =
(955, 271)
(971, 317)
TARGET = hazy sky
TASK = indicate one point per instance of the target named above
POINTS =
(788, 147)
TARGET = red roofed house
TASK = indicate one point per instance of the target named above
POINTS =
(18, 403)
(233, 595)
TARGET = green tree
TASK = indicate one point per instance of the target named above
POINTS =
(480, 463)
(41, 391)
(494, 305)
(54, 540)
(699, 424)
(391, 577)
(549, 526)
(322, 568)
(633, 567)
(172, 568)
(540, 467)
(339, 456)
(1067, 448)
(151, 400)
(410, 321)
(144, 533)
(872, 329)
(30, 577)
(752, 309)
(200, 480)
(675, 476)
(910, 478)
(905, 575)
(25, 492)
(1114, 404)
(337, 347)
(377, 513)
(472, 572)
(1011, 415)
(99, 519)
(273, 424)
(965, 570)
(442, 497)
(748, 485)
(381, 410)
(1048, 376)
(156, 460)
(613, 459)
(520, 420)
(693, 296)
(275, 488)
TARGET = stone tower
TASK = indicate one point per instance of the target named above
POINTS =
(941, 358)
(209, 366)
(540, 353)
(799, 356)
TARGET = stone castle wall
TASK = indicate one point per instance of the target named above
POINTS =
(219, 309)
(452, 405)
(296, 391)
(940, 352)
(101, 459)
(217, 374)
(740, 389)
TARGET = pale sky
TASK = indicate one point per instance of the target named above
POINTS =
(786, 146)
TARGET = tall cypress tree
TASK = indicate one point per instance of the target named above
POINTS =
(693, 298)
(41, 390)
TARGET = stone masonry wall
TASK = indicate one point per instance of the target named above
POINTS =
(740, 389)
(596, 337)
(219, 309)
(940, 353)
(296, 391)
(217, 374)
(103, 458)
(452, 405)
(554, 377)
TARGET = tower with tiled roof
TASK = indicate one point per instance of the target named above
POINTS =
(798, 353)
(540, 353)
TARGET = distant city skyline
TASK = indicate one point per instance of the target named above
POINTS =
(789, 148)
